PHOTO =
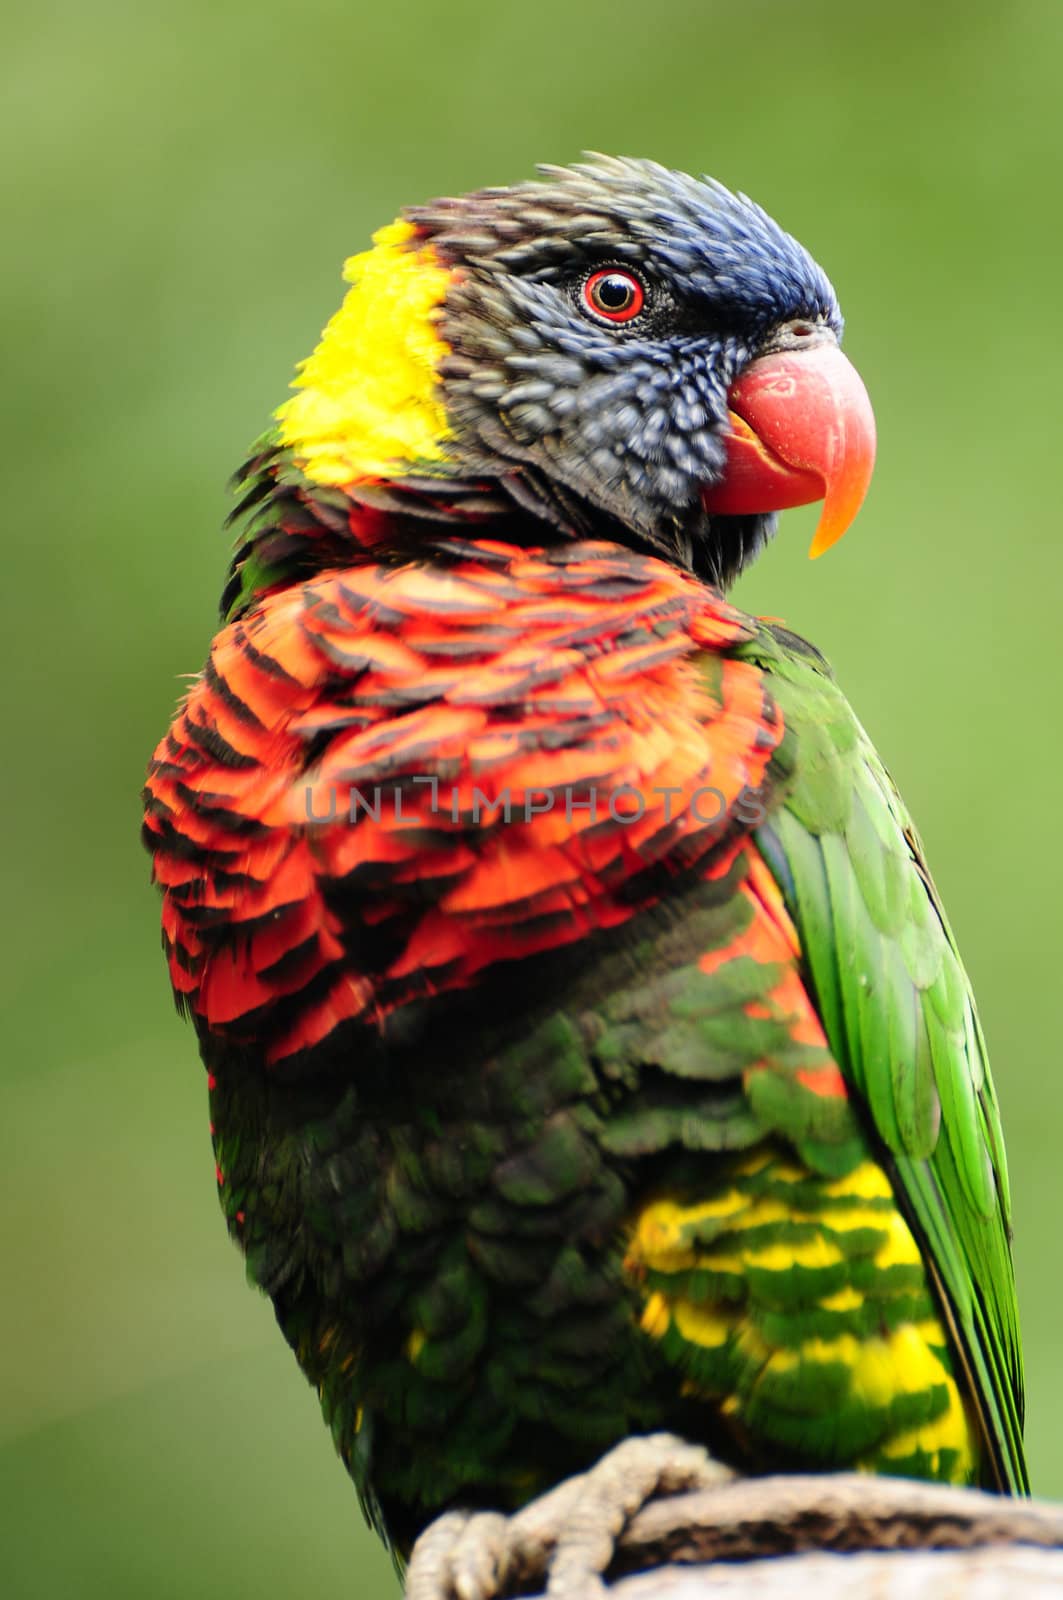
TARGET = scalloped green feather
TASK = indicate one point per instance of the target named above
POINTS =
(899, 1016)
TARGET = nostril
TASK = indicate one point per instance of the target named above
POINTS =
(802, 330)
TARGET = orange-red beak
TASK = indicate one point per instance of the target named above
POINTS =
(802, 429)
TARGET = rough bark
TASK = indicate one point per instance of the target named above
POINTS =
(841, 1537)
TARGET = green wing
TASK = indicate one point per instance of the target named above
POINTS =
(899, 1015)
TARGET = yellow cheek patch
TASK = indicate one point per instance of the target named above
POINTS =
(367, 402)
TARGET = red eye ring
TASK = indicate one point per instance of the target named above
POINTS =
(613, 294)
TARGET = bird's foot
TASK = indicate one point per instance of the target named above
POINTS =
(565, 1540)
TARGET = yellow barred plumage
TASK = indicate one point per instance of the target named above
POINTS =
(799, 1305)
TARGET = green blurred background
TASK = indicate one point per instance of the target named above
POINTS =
(182, 186)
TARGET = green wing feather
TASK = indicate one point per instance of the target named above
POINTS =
(900, 1018)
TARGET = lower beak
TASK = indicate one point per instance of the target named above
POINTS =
(802, 429)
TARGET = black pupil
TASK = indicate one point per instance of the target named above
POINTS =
(614, 293)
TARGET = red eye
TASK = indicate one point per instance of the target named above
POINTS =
(615, 295)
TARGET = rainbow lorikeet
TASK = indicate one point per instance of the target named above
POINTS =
(588, 1052)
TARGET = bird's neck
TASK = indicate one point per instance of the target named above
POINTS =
(361, 462)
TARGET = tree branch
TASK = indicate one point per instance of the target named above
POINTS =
(838, 1537)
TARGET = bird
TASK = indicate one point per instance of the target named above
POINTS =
(588, 1051)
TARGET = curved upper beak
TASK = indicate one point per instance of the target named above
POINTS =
(802, 429)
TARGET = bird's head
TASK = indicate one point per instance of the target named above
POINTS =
(619, 347)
